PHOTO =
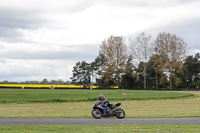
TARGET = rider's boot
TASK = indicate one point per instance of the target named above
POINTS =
(104, 112)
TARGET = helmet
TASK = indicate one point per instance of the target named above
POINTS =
(101, 97)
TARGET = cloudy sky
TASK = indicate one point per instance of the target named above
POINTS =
(43, 39)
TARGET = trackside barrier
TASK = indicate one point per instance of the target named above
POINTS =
(45, 86)
(50, 86)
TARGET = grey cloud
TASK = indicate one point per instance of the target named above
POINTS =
(80, 7)
(9, 34)
(2, 61)
(187, 1)
(79, 52)
(148, 3)
(189, 30)
(14, 19)
(19, 18)
(2, 46)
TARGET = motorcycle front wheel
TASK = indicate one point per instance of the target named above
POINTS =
(120, 113)
(96, 113)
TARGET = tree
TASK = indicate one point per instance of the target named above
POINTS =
(81, 73)
(171, 49)
(141, 49)
(114, 53)
(44, 81)
(151, 73)
(159, 75)
(96, 69)
(128, 79)
(192, 71)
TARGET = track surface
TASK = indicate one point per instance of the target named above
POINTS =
(103, 121)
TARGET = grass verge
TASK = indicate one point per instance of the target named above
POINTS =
(102, 129)
(186, 107)
(9, 96)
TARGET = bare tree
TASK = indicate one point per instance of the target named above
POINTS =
(158, 62)
(172, 50)
(142, 49)
(114, 53)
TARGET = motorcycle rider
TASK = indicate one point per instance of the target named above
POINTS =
(104, 102)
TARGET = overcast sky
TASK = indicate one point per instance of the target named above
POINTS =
(43, 39)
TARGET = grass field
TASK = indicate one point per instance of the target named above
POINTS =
(49, 96)
(102, 129)
(175, 107)
(78, 103)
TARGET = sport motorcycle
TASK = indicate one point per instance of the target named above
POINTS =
(111, 110)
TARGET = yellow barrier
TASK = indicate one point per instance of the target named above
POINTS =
(51, 86)
(114, 86)
(40, 86)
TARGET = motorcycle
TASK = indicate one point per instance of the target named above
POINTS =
(112, 111)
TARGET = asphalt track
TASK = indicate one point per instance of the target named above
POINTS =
(92, 121)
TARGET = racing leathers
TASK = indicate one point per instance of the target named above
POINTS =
(104, 103)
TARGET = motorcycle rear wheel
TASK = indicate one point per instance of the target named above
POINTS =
(120, 114)
(96, 113)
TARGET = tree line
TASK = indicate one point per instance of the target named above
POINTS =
(141, 62)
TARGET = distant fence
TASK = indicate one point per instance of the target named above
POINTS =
(50, 86)
(54, 86)
(38, 86)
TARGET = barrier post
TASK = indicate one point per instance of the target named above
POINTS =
(91, 87)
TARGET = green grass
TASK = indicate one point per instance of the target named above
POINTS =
(185, 107)
(25, 103)
(102, 129)
(52, 96)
